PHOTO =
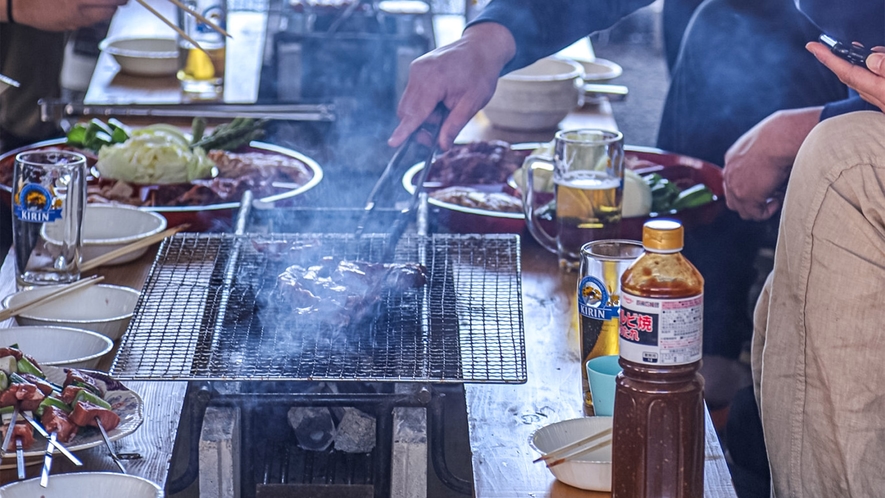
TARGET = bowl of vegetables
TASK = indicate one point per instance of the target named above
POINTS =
(195, 176)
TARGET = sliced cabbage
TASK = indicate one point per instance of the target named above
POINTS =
(154, 154)
(637, 195)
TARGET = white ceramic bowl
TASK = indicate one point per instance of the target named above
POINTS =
(142, 56)
(81, 484)
(107, 227)
(592, 471)
(61, 347)
(106, 309)
(536, 97)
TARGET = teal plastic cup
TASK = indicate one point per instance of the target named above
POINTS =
(601, 373)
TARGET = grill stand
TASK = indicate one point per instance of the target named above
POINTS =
(382, 405)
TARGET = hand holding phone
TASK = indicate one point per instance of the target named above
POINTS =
(851, 52)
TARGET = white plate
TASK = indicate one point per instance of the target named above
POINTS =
(125, 403)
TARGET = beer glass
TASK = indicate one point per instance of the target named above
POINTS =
(588, 178)
(48, 194)
(201, 72)
(599, 290)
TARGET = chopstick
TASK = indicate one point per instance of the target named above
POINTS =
(59, 292)
(171, 24)
(199, 16)
(577, 446)
(580, 452)
(135, 246)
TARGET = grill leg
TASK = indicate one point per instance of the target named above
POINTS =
(384, 449)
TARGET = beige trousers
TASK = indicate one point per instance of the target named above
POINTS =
(819, 341)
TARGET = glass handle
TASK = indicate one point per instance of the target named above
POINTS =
(528, 200)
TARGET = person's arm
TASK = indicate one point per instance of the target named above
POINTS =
(507, 35)
(58, 15)
(758, 165)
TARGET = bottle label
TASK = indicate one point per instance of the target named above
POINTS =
(37, 204)
(594, 301)
(661, 331)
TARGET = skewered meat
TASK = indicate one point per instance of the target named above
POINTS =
(346, 291)
(477, 163)
(476, 199)
(80, 379)
(42, 385)
(55, 419)
(85, 413)
(21, 431)
(70, 393)
(25, 392)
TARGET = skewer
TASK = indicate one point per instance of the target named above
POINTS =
(19, 458)
(53, 440)
(47, 461)
(578, 445)
(59, 292)
(107, 442)
(171, 24)
(8, 437)
(200, 17)
(116, 253)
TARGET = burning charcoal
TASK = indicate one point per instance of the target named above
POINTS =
(314, 427)
(356, 432)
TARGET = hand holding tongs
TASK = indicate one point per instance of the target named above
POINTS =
(400, 223)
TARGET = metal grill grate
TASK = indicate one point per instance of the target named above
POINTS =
(210, 310)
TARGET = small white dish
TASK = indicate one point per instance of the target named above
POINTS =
(58, 346)
(143, 56)
(536, 97)
(592, 471)
(107, 227)
(102, 308)
(91, 484)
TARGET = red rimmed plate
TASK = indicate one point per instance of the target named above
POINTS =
(200, 217)
(685, 171)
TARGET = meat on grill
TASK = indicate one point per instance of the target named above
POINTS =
(55, 419)
(28, 394)
(477, 163)
(85, 413)
(344, 291)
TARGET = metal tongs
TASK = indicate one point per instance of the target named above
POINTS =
(399, 226)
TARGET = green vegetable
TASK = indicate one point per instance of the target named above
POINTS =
(88, 387)
(77, 135)
(233, 135)
(693, 197)
(4, 381)
(91, 398)
(8, 364)
(53, 401)
(26, 366)
(198, 127)
(119, 136)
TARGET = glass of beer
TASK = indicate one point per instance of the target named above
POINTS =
(201, 72)
(599, 300)
(588, 178)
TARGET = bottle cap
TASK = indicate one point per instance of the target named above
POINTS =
(662, 235)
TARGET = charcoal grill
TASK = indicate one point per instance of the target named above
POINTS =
(209, 313)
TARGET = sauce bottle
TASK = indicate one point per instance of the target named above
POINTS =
(658, 439)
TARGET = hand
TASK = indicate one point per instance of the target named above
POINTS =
(870, 84)
(462, 75)
(758, 165)
(63, 15)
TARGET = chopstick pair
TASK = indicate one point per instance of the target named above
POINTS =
(145, 242)
(578, 448)
(180, 31)
(45, 298)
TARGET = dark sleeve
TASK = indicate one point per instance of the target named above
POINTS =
(851, 104)
(544, 27)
